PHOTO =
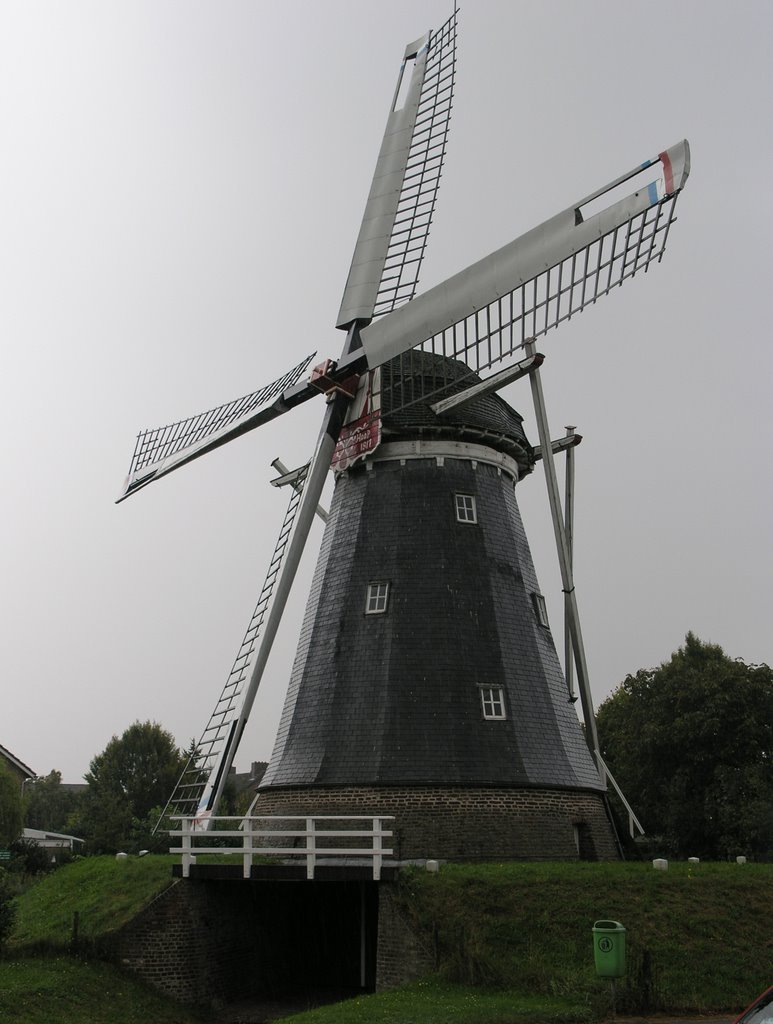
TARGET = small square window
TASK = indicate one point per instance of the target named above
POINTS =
(493, 701)
(465, 509)
(376, 603)
(540, 609)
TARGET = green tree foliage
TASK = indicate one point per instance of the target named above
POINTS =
(11, 814)
(691, 745)
(133, 775)
(7, 907)
(48, 804)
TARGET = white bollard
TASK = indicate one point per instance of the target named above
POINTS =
(660, 864)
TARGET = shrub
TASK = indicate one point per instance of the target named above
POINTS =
(7, 908)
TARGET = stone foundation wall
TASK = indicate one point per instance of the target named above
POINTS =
(192, 942)
(211, 942)
(467, 824)
(402, 955)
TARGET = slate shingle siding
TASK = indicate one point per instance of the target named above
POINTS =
(393, 700)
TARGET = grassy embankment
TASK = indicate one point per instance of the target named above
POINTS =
(41, 982)
(512, 943)
(105, 893)
(699, 940)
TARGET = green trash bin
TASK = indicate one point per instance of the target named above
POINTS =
(609, 949)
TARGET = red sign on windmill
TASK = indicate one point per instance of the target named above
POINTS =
(361, 433)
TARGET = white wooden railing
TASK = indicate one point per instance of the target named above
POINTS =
(259, 835)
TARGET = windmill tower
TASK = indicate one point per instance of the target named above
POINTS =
(426, 682)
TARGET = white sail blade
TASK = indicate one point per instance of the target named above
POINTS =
(532, 284)
(395, 226)
(163, 449)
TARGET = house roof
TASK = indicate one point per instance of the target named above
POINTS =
(39, 834)
(19, 765)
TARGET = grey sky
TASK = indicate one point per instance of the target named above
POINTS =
(180, 191)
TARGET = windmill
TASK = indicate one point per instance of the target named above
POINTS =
(412, 415)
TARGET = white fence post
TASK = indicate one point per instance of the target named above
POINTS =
(247, 846)
(187, 847)
(377, 849)
(311, 848)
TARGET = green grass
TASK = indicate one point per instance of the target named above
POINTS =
(434, 1002)
(69, 991)
(104, 891)
(512, 943)
(699, 938)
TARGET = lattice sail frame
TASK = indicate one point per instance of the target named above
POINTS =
(487, 313)
(492, 334)
(393, 235)
(162, 449)
(200, 779)
(408, 241)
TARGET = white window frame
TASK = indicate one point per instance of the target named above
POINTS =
(492, 700)
(540, 609)
(466, 508)
(378, 597)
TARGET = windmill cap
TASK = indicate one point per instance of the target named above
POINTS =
(411, 385)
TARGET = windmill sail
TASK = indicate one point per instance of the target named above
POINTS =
(395, 226)
(159, 451)
(205, 773)
(486, 313)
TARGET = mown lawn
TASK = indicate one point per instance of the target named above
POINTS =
(104, 891)
(699, 938)
(63, 990)
(511, 943)
(435, 1002)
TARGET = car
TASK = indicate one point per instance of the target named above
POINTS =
(760, 1011)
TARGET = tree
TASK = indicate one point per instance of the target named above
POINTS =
(691, 745)
(11, 815)
(133, 775)
(48, 805)
(7, 908)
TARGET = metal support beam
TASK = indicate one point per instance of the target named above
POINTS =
(564, 561)
(569, 526)
(561, 444)
(492, 383)
(634, 825)
(291, 476)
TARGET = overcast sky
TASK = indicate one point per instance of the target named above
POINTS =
(180, 191)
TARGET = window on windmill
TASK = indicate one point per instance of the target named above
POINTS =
(540, 609)
(492, 699)
(376, 603)
(466, 511)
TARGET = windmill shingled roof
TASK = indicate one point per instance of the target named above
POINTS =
(409, 386)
